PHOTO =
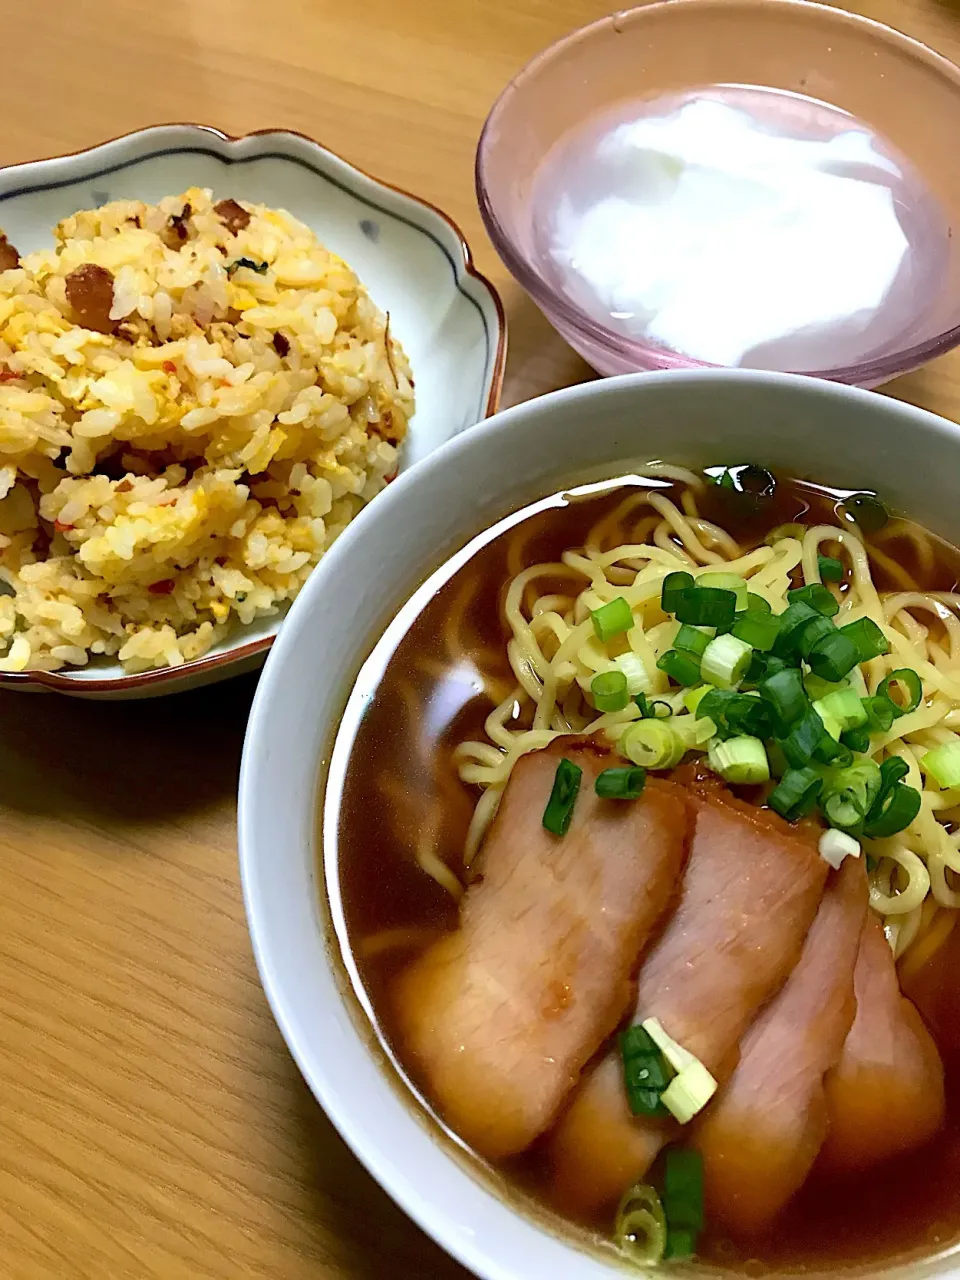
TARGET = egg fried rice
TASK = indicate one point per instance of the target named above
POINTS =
(195, 399)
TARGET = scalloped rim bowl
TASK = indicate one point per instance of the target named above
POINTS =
(412, 257)
(822, 430)
(607, 350)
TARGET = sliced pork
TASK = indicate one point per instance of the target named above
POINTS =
(750, 893)
(885, 1096)
(500, 1017)
(760, 1138)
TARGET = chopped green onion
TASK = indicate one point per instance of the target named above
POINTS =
(741, 761)
(892, 770)
(653, 744)
(726, 582)
(681, 667)
(655, 710)
(736, 713)
(907, 677)
(817, 597)
(829, 751)
(689, 1092)
(795, 793)
(763, 666)
(673, 589)
(638, 681)
(681, 1243)
(621, 784)
(880, 714)
(830, 570)
(612, 619)
(833, 656)
(609, 691)
(707, 607)
(834, 846)
(640, 1228)
(867, 511)
(943, 764)
(693, 697)
(843, 708)
(694, 731)
(645, 1071)
(803, 739)
(791, 530)
(809, 637)
(842, 809)
(785, 695)
(559, 810)
(818, 688)
(869, 640)
(725, 661)
(692, 640)
(757, 604)
(893, 811)
(759, 630)
(856, 739)
(683, 1190)
(792, 621)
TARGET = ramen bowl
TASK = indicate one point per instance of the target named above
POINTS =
(296, 750)
(636, 240)
(411, 256)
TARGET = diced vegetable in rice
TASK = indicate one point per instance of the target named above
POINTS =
(195, 400)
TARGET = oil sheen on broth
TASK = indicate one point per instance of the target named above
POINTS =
(740, 226)
(445, 676)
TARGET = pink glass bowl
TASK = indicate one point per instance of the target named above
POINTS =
(907, 94)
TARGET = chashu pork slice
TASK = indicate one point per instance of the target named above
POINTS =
(760, 1138)
(499, 1018)
(885, 1096)
(750, 892)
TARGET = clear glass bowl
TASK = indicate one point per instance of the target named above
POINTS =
(547, 122)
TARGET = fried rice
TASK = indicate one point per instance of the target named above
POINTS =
(195, 399)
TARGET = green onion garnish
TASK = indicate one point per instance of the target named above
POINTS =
(817, 597)
(640, 1229)
(757, 604)
(795, 793)
(646, 1072)
(803, 739)
(725, 661)
(869, 640)
(658, 709)
(831, 570)
(652, 744)
(843, 708)
(856, 739)
(621, 784)
(612, 619)
(786, 697)
(763, 666)
(842, 809)
(683, 668)
(692, 640)
(809, 636)
(759, 630)
(707, 607)
(673, 589)
(792, 621)
(943, 764)
(829, 751)
(609, 691)
(833, 656)
(682, 1200)
(741, 761)
(910, 681)
(848, 794)
(893, 811)
(867, 510)
(559, 810)
(726, 582)
(735, 714)
(880, 714)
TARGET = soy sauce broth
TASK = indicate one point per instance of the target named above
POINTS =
(447, 673)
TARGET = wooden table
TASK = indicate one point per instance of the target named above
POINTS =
(151, 1121)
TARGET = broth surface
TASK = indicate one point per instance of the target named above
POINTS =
(402, 778)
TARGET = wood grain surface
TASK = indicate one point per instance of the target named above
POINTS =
(151, 1121)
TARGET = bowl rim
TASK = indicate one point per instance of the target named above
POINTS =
(865, 373)
(275, 968)
(62, 682)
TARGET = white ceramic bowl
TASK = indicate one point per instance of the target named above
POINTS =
(411, 256)
(800, 426)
